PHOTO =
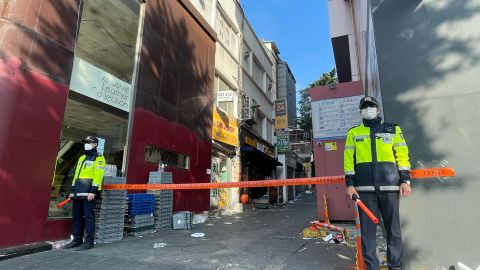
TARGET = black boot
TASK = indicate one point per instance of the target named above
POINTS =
(72, 244)
(86, 245)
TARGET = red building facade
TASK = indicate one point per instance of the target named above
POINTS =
(170, 70)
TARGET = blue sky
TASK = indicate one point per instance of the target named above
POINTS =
(300, 28)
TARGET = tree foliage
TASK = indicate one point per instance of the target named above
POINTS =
(305, 108)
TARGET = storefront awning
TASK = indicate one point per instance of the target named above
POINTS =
(250, 149)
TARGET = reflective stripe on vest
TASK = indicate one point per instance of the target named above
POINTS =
(381, 188)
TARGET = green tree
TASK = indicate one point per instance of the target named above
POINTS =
(305, 107)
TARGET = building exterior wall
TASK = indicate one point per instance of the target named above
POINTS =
(428, 58)
(37, 51)
(422, 61)
(287, 89)
(169, 113)
(251, 84)
(352, 19)
(37, 42)
(222, 17)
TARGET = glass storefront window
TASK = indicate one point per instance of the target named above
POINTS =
(100, 92)
(219, 198)
(168, 158)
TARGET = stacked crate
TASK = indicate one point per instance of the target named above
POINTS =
(110, 212)
(139, 220)
(163, 200)
(182, 220)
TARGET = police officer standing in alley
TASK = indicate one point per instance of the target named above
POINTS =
(86, 183)
(377, 170)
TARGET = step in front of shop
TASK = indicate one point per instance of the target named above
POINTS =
(8, 253)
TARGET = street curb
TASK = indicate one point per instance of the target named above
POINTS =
(23, 250)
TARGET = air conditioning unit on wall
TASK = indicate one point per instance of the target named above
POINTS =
(249, 109)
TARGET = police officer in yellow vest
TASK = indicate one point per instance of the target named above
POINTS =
(85, 185)
(377, 169)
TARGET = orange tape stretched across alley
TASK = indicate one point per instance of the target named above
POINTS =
(327, 180)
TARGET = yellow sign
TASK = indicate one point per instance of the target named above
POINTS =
(281, 122)
(250, 141)
(331, 146)
(281, 118)
(259, 146)
(224, 128)
(223, 198)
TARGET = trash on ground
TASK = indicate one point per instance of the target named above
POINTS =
(228, 223)
(200, 218)
(159, 245)
(328, 238)
(314, 232)
(197, 235)
(308, 192)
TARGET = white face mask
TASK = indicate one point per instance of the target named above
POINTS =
(88, 147)
(369, 113)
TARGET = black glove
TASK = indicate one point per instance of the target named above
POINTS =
(350, 180)
(94, 190)
(404, 175)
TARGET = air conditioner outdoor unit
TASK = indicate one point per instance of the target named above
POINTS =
(249, 106)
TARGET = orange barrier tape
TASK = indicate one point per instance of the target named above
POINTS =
(244, 184)
(326, 180)
(432, 172)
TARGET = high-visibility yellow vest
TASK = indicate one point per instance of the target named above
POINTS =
(91, 170)
(374, 157)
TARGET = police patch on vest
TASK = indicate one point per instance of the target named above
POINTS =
(88, 164)
(359, 140)
(386, 137)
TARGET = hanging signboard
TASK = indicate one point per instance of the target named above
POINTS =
(224, 129)
(281, 119)
(283, 142)
(332, 118)
(224, 96)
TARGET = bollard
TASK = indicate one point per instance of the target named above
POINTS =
(360, 262)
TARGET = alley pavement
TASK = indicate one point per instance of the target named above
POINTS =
(255, 239)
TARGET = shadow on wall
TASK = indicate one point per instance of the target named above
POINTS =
(418, 50)
(44, 44)
(176, 74)
(37, 41)
(428, 56)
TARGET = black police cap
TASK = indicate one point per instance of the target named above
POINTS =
(368, 101)
(90, 139)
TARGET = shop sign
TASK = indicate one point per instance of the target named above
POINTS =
(281, 119)
(250, 141)
(95, 83)
(224, 96)
(224, 128)
(259, 146)
(282, 143)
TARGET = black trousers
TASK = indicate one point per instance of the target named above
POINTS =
(83, 220)
(388, 204)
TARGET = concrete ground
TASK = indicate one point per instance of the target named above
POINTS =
(256, 239)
